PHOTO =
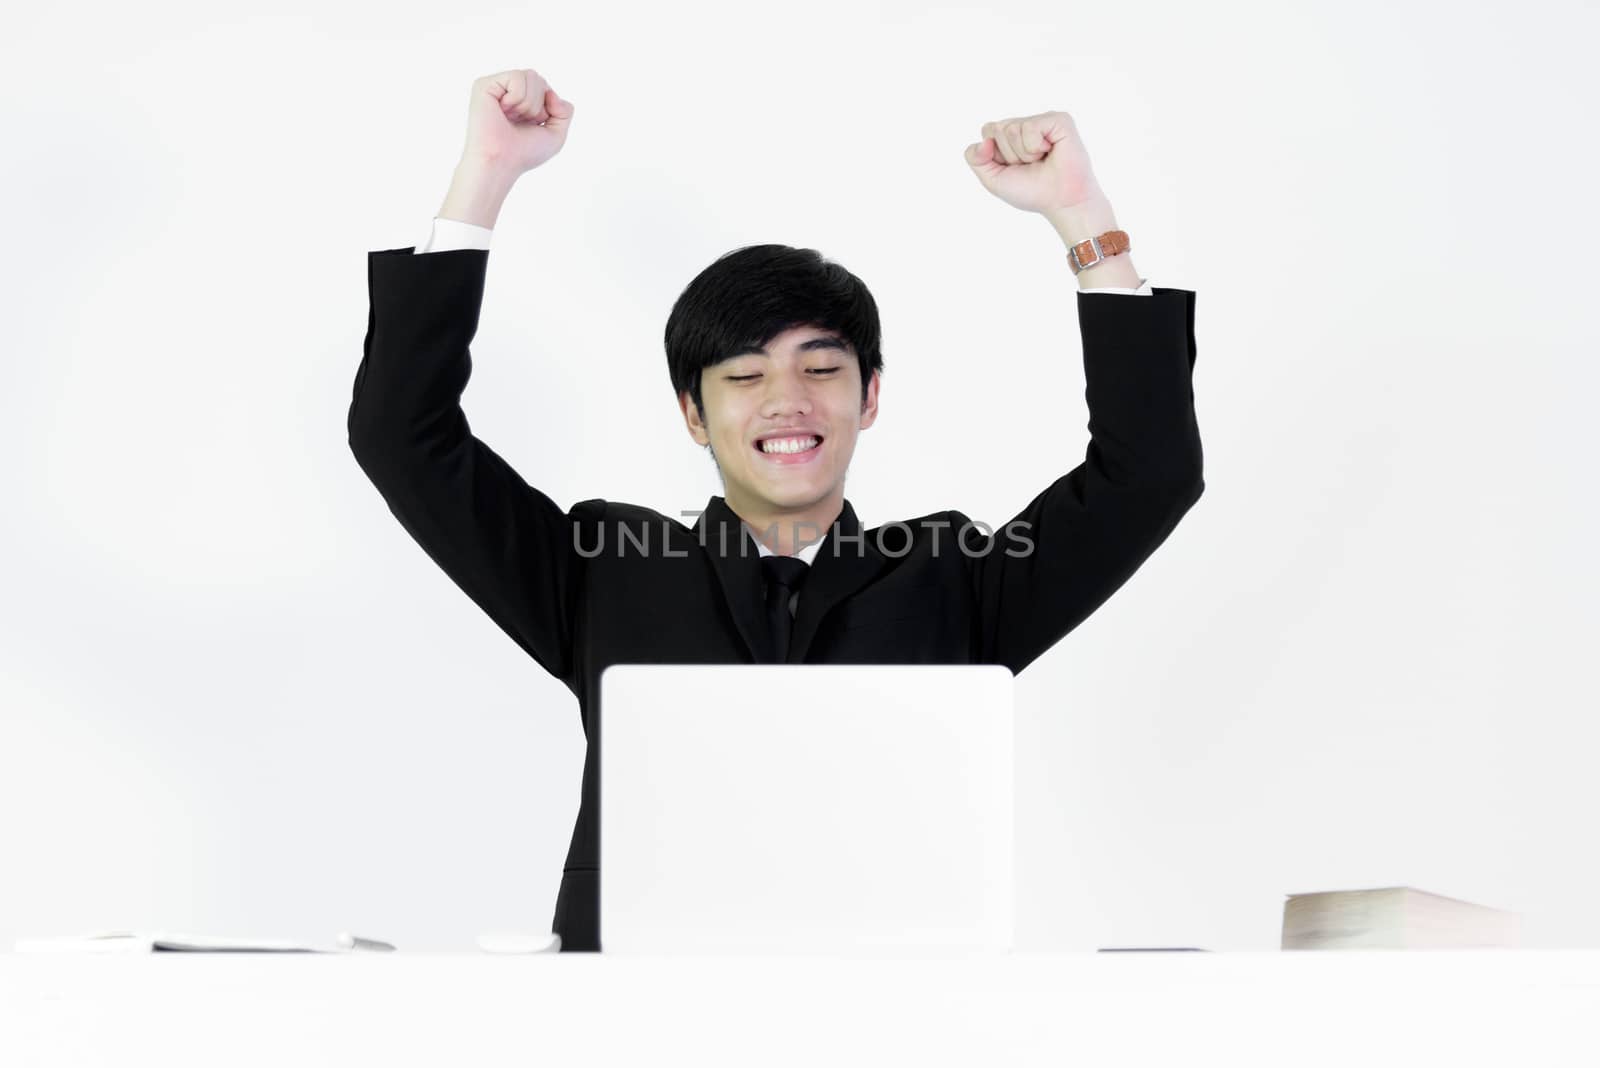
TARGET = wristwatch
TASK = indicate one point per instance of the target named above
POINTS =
(1107, 244)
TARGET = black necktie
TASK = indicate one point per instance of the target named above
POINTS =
(784, 575)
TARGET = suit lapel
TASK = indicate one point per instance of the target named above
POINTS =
(845, 562)
(736, 558)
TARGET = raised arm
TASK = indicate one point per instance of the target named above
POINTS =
(1085, 535)
(504, 543)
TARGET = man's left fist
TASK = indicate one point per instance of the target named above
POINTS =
(1036, 163)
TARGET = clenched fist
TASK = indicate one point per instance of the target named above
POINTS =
(515, 121)
(1036, 163)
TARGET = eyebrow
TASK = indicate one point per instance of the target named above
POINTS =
(829, 341)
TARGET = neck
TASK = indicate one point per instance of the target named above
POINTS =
(788, 530)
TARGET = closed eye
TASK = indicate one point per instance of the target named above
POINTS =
(814, 370)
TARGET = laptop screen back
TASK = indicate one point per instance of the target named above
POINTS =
(806, 808)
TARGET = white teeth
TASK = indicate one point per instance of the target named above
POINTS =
(789, 444)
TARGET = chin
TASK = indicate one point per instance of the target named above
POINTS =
(792, 494)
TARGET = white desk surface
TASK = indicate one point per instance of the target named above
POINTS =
(1347, 1007)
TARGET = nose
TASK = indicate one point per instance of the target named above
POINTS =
(786, 393)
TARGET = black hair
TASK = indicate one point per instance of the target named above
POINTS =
(751, 295)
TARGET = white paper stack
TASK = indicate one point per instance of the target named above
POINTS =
(1394, 917)
(158, 941)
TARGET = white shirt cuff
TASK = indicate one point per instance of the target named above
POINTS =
(445, 235)
(1143, 289)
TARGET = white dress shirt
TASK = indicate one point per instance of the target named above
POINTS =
(448, 234)
(808, 554)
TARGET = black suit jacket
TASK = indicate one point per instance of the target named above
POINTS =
(606, 582)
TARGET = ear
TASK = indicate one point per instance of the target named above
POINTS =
(692, 419)
(869, 410)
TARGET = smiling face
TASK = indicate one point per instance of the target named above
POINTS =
(804, 392)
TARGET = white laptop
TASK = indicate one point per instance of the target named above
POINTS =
(806, 808)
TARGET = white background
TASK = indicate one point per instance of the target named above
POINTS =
(235, 696)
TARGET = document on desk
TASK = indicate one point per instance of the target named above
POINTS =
(171, 941)
(1394, 917)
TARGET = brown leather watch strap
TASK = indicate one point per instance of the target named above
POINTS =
(1092, 250)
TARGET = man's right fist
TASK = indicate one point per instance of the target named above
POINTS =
(515, 121)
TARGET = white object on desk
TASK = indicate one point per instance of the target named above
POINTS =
(158, 941)
(514, 942)
(806, 808)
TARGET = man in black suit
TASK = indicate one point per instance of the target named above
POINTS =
(774, 354)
